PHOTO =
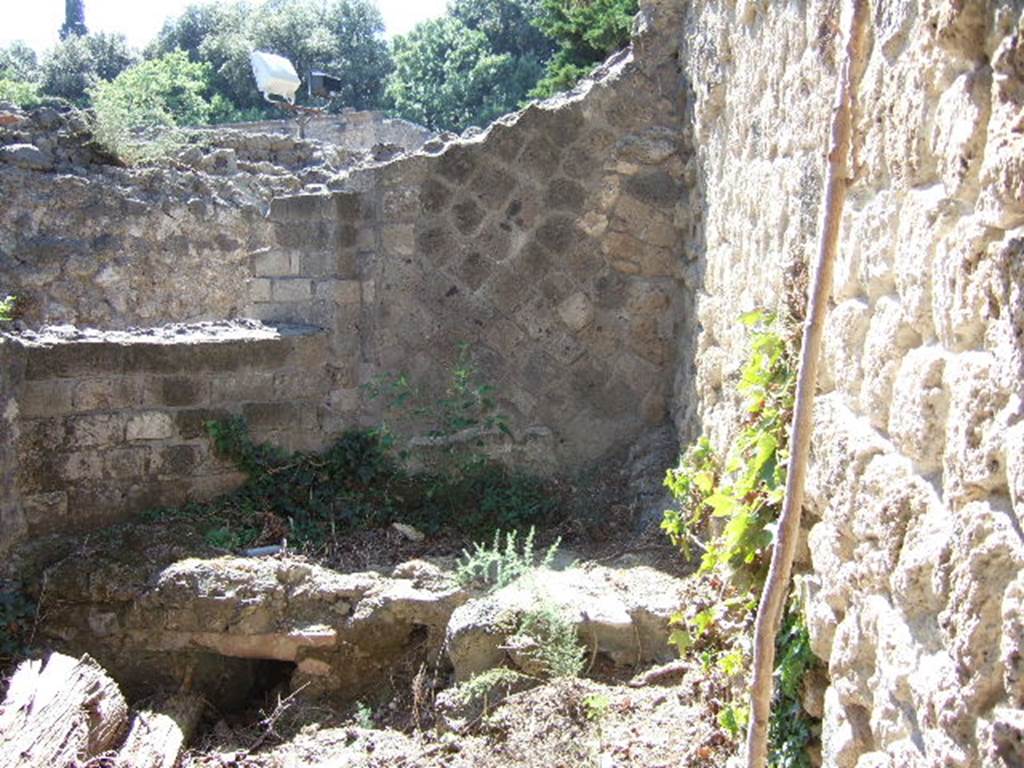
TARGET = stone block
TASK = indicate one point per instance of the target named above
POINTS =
(150, 425)
(246, 386)
(179, 460)
(348, 206)
(286, 290)
(974, 460)
(45, 511)
(919, 404)
(275, 263)
(82, 465)
(49, 397)
(97, 429)
(176, 391)
(398, 240)
(845, 330)
(565, 194)
(456, 163)
(191, 424)
(108, 394)
(467, 216)
(492, 186)
(73, 360)
(576, 311)
(259, 289)
(302, 209)
(304, 384)
(888, 337)
(271, 415)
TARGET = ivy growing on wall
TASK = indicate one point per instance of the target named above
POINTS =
(726, 511)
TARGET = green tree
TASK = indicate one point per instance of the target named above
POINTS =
(74, 19)
(509, 25)
(19, 74)
(18, 62)
(448, 76)
(587, 32)
(137, 112)
(79, 62)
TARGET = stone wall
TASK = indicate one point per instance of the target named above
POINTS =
(351, 130)
(109, 424)
(551, 244)
(914, 581)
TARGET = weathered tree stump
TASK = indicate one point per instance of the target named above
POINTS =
(159, 735)
(60, 713)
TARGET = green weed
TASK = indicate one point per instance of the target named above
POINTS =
(501, 563)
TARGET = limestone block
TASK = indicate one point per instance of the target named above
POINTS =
(648, 147)
(844, 733)
(1015, 468)
(920, 402)
(888, 336)
(919, 582)
(923, 218)
(987, 556)
(576, 311)
(845, 331)
(974, 460)
(149, 425)
(273, 263)
(286, 290)
(259, 290)
(864, 264)
(958, 134)
(98, 429)
(52, 397)
(1011, 641)
(964, 277)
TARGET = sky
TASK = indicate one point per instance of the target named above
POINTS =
(36, 21)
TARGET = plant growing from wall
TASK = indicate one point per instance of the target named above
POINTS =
(726, 509)
(7, 305)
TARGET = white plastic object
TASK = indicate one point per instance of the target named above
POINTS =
(275, 76)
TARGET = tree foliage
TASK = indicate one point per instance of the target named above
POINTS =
(80, 62)
(448, 76)
(150, 97)
(343, 37)
(587, 32)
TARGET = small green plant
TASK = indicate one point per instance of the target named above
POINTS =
(596, 706)
(488, 686)
(734, 718)
(363, 716)
(7, 305)
(791, 729)
(745, 490)
(500, 564)
(550, 641)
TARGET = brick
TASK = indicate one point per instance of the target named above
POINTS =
(51, 397)
(150, 425)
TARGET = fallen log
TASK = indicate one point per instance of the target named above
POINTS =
(159, 735)
(59, 714)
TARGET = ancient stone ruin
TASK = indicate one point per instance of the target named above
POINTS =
(595, 251)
